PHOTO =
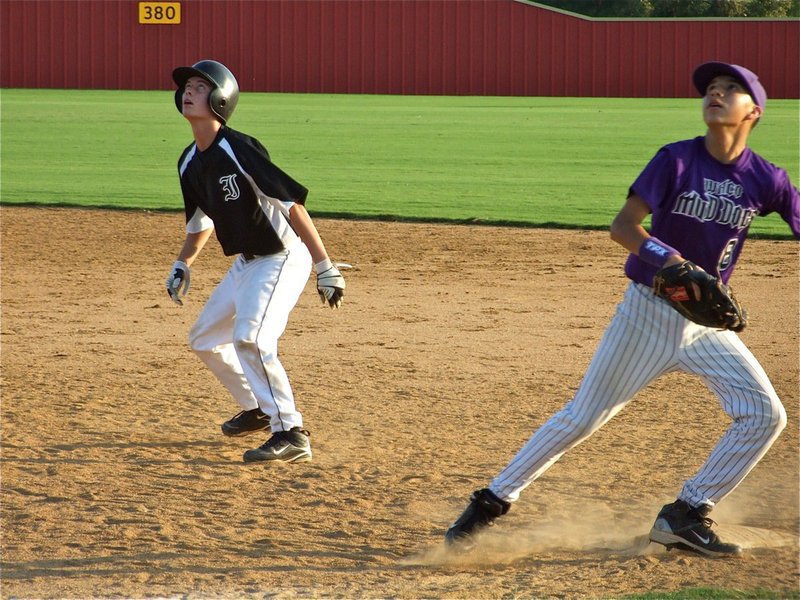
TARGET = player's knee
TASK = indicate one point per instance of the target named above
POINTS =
(779, 419)
(574, 428)
(584, 429)
(244, 343)
(770, 423)
(247, 343)
(196, 339)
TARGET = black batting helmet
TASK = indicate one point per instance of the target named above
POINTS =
(223, 97)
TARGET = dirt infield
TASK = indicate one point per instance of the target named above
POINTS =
(454, 343)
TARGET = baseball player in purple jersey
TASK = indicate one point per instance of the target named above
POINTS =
(703, 194)
(231, 186)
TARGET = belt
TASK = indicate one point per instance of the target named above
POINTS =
(249, 257)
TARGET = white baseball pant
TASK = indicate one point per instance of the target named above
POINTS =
(236, 334)
(645, 339)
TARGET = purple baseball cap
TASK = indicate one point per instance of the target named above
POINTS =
(707, 71)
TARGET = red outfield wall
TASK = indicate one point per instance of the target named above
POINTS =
(454, 47)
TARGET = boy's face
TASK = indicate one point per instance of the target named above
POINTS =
(727, 102)
(195, 99)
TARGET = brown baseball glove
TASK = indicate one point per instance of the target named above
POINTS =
(699, 296)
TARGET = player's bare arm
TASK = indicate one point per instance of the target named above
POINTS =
(627, 229)
(330, 283)
(305, 228)
(193, 244)
(180, 275)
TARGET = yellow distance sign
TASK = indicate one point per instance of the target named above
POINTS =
(160, 13)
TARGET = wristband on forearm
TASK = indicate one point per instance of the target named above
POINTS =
(655, 252)
(323, 265)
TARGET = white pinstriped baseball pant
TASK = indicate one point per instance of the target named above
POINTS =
(236, 334)
(647, 338)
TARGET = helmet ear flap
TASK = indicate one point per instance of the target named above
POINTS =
(217, 102)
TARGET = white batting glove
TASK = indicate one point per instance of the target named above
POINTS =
(178, 281)
(330, 283)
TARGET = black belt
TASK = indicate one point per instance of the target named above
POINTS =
(249, 257)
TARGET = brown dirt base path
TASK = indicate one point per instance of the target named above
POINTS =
(453, 345)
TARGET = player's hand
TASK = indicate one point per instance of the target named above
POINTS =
(330, 284)
(178, 281)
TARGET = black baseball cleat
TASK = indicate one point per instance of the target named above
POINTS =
(245, 423)
(683, 527)
(484, 507)
(284, 446)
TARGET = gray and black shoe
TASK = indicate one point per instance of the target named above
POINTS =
(484, 507)
(245, 423)
(284, 446)
(681, 526)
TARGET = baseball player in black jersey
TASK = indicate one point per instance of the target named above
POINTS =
(231, 186)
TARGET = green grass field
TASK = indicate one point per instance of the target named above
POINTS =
(563, 162)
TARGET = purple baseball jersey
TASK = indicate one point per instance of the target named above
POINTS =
(703, 208)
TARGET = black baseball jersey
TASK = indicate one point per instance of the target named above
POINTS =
(235, 184)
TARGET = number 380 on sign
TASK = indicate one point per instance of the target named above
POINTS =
(160, 13)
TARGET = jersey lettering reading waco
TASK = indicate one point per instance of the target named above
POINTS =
(703, 207)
